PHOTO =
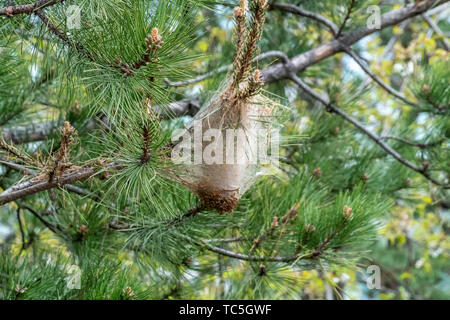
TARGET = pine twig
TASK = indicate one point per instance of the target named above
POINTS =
(22, 233)
(241, 33)
(437, 30)
(287, 7)
(61, 35)
(27, 171)
(347, 16)
(40, 218)
(38, 185)
(11, 11)
(254, 34)
(414, 144)
(378, 140)
(146, 154)
(12, 151)
(375, 78)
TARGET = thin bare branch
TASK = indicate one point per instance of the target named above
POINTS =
(378, 140)
(287, 7)
(27, 8)
(246, 257)
(347, 17)
(375, 78)
(27, 171)
(413, 143)
(437, 30)
(37, 184)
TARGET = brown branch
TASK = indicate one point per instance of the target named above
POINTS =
(146, 153)
(302, 61)
(378, 140)
(246, 257)
(27, 8)
(22, 233)
(375, 78)
(287, 7)
(61, 35)
(240, 256)
(30, 133)
(41, 131)
(170, 222)
(12, 151)
(37, 215)
(414, 144)
(347, 16)
(27, 171)
(437, 30)
(41, 184)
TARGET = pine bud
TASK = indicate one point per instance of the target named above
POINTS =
(154, 40)
(238, 12)
(257, 76)
(317, 172)
(365, 177)
(309, 228)
(155, 34)
(347, 212)
(128, 292)
(262, 270)
(275, 222)
(68, 129)
(83, 230)
(292, 213)
(426, 89)
(148, 102)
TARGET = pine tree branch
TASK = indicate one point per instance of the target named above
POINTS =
(347, 16)
(37, 184)
(414, 144)
(27, 8)
(190, 213)
(61, 35)
(40, 218)
(41, 131)
(22, 233)
(378, 140)
(375, 78)
(437, 30)
(241, 256)
(169, 222)
(287, 7)
(27, 171)
(280, 70)
(302, 61)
